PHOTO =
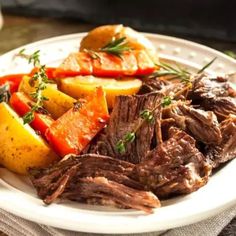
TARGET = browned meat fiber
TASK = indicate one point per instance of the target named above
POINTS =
(123, 119)
(174, 167)
(200, 124)
(108, 182)
(226, 150)
(205, 87)
(215, 94)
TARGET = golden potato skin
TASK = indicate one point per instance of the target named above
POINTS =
(102, 35)
(58, 102)
(82, 86)
(21, 147)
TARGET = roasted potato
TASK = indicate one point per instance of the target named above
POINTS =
(58, 102)
(100, 36)
(82, 86)
(21, 147)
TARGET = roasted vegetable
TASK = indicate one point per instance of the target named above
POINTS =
(103, 35)
(22, 104)
(82, 86)
(130, 63)
(57, 104)
(12, 80)
(72, 132)
(21, 147)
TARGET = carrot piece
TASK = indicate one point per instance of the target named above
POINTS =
(13, 81)
(75, 64)
(22, 104)
(144, 62)
(129, 64)
(101, 64)
(72, 132)
(107, 65)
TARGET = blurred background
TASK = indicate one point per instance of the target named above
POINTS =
(211, 22)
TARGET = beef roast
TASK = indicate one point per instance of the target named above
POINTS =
(123, 119)
(226, 150)
(173, 89)
(92, 178)
(205, 87)
(107, 192)
(214, 94)
(174, 167)
(221, 106)
(202, 125)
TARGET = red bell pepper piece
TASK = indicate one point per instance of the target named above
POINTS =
(50, 72)
(22, 104)
(72, 132)
(13, 81)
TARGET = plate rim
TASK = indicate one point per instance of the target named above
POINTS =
(194, 219)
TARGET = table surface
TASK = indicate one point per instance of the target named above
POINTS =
(18, 30)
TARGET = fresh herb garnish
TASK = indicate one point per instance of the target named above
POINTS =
(144, 116)
(116, 47)
(5, 93)
(121, 144)
(41, 78)
(177, 72)
(166, 101)
(173, 72)
(147, 115)
(206, 66)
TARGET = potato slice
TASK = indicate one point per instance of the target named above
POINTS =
(102, 35)
(58, 102)
(82, 86)
(21, 147)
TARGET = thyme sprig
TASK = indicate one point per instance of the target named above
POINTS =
(177, 72)
(116, 47)
(144, 116)
(41, 78)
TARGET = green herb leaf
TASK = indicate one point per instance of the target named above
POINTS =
(129, 137)
(206, 66)
(41, 78)
(116, 47)
(173, 72)
(120, 147)
(147, 115)
(28, 117)
(166, 101)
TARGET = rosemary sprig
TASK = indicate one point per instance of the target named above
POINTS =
(206, 66)
(177, 72)
(144, 116)
(173, 72)
(116, 47)
(41, 78)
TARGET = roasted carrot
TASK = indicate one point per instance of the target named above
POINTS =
(72, 132)
(22, 104)
(131, 63)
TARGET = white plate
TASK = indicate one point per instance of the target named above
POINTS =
(18, 197)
